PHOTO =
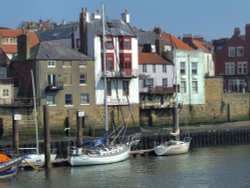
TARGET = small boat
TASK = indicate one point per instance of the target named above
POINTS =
(9, 166)
(173, 147)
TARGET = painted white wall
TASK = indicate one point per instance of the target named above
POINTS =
(189, 57)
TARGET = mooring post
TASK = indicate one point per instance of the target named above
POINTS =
(79, 121)
(46, 136)
(15, 132)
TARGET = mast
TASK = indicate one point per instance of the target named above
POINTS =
(176, 110)
(104, 71)
(34, 101)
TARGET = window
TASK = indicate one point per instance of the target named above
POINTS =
(231, 51)
(182, 68)
(183, 87)
(125, 88)
(229, 68)
(84, 98)
(67, 64)
(109, 62)
(109, 43)
(164, 82)
(109, 88)
(150, 82)
(50, 99)
(68, 99)
(240, 51)
(164, 68)
(144, 68)
(194, 68)
(51, 64)
(83, 78)
(67, 78)
(242, 67)
(2, 72)
(52, 79)
(194, 86)
(154, 68)
(236, 85)
(125, 43)
(83, 63)
(6, 93)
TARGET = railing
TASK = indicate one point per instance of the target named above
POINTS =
(19, 102)
(158, 90)
(121, 74)
(55, 86)
(6, 81)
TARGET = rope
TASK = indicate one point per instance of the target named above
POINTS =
(33, 166)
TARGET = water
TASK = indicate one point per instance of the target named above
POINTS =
(201, 167)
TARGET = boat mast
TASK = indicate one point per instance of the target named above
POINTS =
(34, 101)
(104, 71)
(176, 110)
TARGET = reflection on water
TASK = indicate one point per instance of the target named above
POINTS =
(203, 167)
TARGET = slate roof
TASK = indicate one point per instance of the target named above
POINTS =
(152, 58)
(113, 27)
(146, 37)
(55, 50)
(58, 32)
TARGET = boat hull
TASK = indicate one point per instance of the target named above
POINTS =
(172, 148)
(107, 157)
(37, 159)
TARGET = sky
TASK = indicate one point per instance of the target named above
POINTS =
(212, 19)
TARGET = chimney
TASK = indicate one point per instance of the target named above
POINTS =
(248, 33)
(199, 38)
(83, 25)
(237, 31)
(97, 15)
(23, 46)
(125, 16)
(187, 38)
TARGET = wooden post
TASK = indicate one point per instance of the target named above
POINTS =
(15, 132)
(79, 120)
(228, 113)
(46, 137)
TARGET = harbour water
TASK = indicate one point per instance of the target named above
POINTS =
(227, 166)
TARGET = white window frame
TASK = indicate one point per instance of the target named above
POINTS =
(51, 64)
(194, 68)
(144, 68)
(51, 100)
(84, 99)
(164, 68)
(242, 68)
(231, 51)
(229, 68)
(240, 51)
(182, 68)
(183, 86)
(194, 86)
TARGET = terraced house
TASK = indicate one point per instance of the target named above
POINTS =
(121, 51)
(62, 77)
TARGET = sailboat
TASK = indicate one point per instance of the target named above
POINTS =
(111, 151)
(36, 158)
(174, 146)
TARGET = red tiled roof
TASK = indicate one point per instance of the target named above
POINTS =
(199, 45)
(151, 58)
(175, 42)
(12, 48)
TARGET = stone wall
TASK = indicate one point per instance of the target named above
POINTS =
(219, 107)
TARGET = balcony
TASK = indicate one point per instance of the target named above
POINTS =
(121, 74)
(18, 102)
(54, 86)
(6, 81)
(158, 90)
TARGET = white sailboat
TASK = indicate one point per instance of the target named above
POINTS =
(109, 152)
(35, 158)
(177, 146)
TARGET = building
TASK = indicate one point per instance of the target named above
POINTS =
(232, 61)
(121, 51)
(8, 40)
(63, 78)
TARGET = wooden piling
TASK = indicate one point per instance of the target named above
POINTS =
(15, 134)
(46, 137)
(79, 120)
